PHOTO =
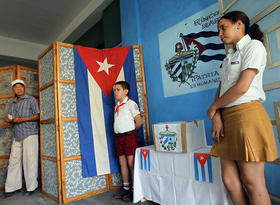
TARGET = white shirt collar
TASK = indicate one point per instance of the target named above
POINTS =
(243, 41)
(240, 44)
(124, 100)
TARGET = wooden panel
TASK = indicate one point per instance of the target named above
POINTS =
(275, 198)
(57, 159)
(59, 153)
(271, 86)
(100, 191)
(145, 94)
(270, 64)
(277, 117)
(7, 75)
(265, 12)
(224, 10)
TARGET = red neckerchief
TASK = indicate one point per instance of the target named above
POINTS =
(118, 106)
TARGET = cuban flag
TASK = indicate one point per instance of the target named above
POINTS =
(192, 40)
(96, 72)
(145, 162)
(203, 167)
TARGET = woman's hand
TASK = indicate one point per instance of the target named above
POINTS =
(211, 111)
(217, 127)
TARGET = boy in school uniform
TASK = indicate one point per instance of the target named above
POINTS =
(127, 120)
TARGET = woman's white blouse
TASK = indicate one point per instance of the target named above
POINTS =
(249, 54)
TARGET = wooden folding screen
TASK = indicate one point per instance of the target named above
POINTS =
(60, 150)
(7, 75)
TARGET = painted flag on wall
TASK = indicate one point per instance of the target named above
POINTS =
(203, 167)
(190, 39)
(96, 72)
(145, 162)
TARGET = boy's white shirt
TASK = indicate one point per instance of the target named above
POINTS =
(124, 118)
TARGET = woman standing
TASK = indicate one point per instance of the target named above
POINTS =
(244, 136)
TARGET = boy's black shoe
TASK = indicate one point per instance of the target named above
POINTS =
(121, 193)
(128, 197)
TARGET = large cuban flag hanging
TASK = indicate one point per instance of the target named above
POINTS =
(96, 72)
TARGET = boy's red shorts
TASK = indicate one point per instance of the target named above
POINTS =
(126, 144)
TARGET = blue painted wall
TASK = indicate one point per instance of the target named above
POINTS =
(141, 23)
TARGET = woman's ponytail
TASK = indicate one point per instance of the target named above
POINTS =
(255, 32)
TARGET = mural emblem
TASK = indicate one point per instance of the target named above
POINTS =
(181, 67)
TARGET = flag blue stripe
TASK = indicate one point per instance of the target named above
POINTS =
(83, 112)
(141, 160)
(180, 75)
(202, 34)
(196, 168)
(108, 109)
(149, 162)
(130, 77)
(214, 46)
(166, 139)
(177, 69)
(203, 173)
(209, 164)
(145, 163)
(206, 58)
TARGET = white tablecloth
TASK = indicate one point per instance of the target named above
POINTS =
(169, 179)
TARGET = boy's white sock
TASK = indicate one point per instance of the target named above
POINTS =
(126, 185)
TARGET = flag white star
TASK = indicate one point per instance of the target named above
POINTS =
(104, 66)
(201, 158)
(192, 46)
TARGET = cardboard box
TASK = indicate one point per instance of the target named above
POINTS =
(179, 136)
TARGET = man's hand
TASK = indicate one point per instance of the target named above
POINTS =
(17, 120)
(7, 119)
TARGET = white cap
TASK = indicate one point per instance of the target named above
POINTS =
(17, 81)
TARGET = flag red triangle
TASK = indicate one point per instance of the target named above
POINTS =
(202, 157)
(188, 41)
(145, 153)
(94, 58)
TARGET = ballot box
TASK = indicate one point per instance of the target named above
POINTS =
(179, 136)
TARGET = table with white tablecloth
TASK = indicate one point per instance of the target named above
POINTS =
(178, 178)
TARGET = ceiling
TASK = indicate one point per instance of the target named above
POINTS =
(28, 27)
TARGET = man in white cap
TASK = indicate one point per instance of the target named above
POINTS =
(23, 114)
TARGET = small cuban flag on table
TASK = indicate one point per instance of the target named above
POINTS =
(203, 167)
(145, 162)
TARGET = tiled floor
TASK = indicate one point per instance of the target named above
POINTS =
(39, 199)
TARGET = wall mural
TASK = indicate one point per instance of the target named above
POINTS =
(191, 54)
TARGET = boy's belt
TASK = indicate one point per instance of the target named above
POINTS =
(125, 133)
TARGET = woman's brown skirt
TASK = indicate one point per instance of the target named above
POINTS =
(248, 134)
